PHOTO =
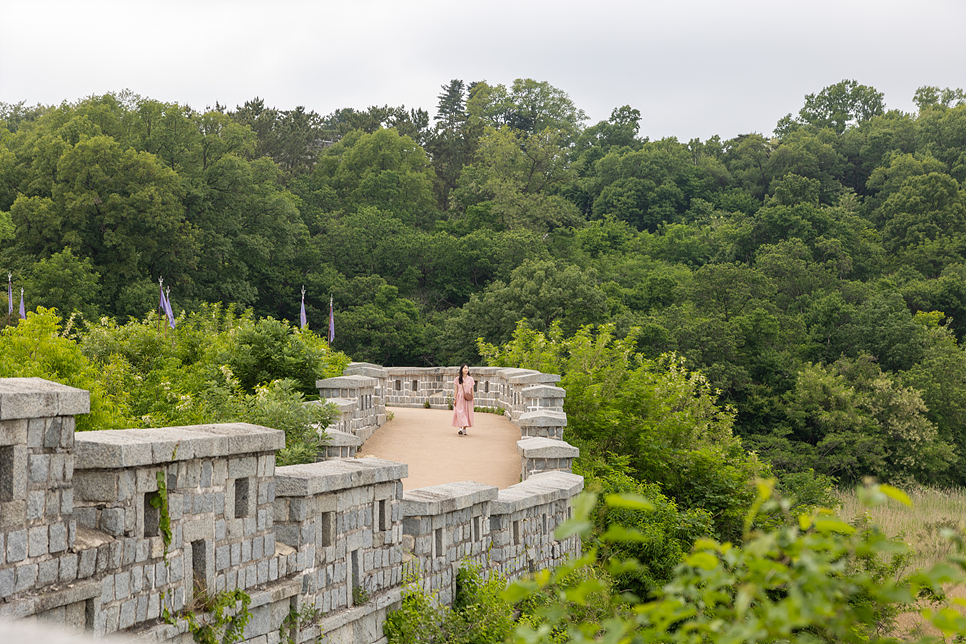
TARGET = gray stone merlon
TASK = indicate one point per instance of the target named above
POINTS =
(342, 439)
(544, 418)
(120, 448)
(365, 369)
(335, 474)
(346, 382)
(539, 489)
(448, 497)
(544, 391)
(546, 448)
(344, 404)
(39, 398)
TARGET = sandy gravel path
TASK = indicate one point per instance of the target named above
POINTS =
(435, 453)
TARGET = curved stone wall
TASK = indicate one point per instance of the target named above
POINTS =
(82, 537)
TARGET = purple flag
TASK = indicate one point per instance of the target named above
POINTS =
(303, 320)
(166, 304)
(9, 296)
(23, 312)
(331, 322)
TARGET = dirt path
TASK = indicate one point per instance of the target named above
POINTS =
(435, 453)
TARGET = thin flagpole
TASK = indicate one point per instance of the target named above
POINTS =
(331, 322)
(303, 320)
(167, 308)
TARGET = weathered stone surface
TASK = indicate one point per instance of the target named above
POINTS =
(539, 489)
(123, 448)
(366, 369)
(342, 439)
(446, 498)
(544, 418)
(546, 448)
(336, 474)
(13, 432)
(544, 391)
(346, 382)
(37, 398)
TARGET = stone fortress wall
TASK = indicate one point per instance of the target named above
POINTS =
(111, 531)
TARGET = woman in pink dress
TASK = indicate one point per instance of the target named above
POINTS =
(463, 408)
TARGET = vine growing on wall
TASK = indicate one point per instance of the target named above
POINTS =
(159, 502)
(296, 620)
(227, 621)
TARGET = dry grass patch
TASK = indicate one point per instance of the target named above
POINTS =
(921, 526)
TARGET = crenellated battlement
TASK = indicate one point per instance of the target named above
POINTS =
(110, 531)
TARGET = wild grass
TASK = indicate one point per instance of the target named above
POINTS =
(921, 526)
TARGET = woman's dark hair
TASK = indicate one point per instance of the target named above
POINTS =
(461, 371)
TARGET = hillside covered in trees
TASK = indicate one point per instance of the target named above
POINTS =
(815, 275)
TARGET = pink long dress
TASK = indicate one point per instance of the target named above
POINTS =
(463, 409)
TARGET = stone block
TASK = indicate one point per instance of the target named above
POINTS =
(13, 472)
(52, 433)
(48, 571)
(242, 467)
(36, 504)
(122, 585)
(126, 485)
(13, 432)
(127, 614)
(36, 398)
(203, 528)
(67, 501)
(35, 432)
(67, 426)
(97, 485)
(68, 568)
(112, 521)
(147, 480)
(58, 537)
(7, 582)
(39, 468)
(88, 559)
(37, 541)
(26, 577)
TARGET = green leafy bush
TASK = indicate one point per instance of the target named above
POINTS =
(662, 416)
(814, 579)
(479, 615)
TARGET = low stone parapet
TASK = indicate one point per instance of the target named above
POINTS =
(343, 519)
(545, 455)
(445, 525)
(523, 519)
(166, 514)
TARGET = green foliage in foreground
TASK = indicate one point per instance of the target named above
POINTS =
(216, 366)
(479, 614)
(814, 579)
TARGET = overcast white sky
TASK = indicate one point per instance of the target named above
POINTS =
(694, 68)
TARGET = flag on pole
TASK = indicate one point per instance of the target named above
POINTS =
(303, 320)
(9, 295)
(161, 296)
(331, 322)
(167, 307)
(23, 311)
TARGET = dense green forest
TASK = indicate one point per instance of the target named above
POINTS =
(815, 276)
